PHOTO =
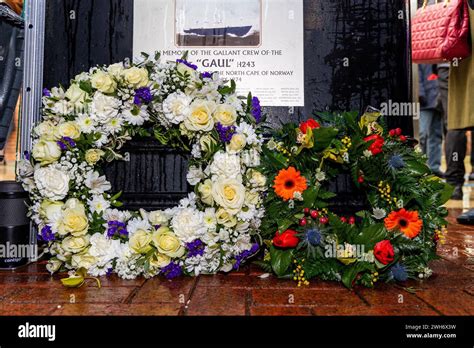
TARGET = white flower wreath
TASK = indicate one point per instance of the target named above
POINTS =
(213, 229)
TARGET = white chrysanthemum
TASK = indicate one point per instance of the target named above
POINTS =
(104, 107)
(195, 175)
(235, 101)
(136, 224)
(101, 141)
(176, 107)
(104, 249)
(116, 215)
(97, 184)
(86, 123)
(98, 203)
(136, 116)
(188, 224)
(226, 165)
(249, 132)
(114, 125)
(379, 213)
(209, 219)
(52, 183)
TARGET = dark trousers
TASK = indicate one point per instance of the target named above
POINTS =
(455, 139)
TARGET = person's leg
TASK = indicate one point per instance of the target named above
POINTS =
(435, 139)
(425, 121)
(455, 146)
(471, 176)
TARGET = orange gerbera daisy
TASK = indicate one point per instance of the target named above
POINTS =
(406, 221)
(287, 182)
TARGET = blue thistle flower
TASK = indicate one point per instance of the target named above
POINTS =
(399, 272)
(396, 162)
(313, 236)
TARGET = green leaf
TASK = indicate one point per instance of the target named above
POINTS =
(73, 282)
(371, 235)
(351, 272)
(323, 138)
(446, 194)
(281, 260)
(417, 167)
(86, 86)
(309, 195)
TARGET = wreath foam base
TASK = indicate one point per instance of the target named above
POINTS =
(214, 229)
(393, 239)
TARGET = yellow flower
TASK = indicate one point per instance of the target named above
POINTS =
(225, 114)
(74, 219)
(69, 129)
(140, 241)
(51, 210)
(75, 244)
(93, 156)
(103, 82)
(76, 95)
(229, 194)
(224, 218)
(237, 143)
(158, 260)
(46, 152)
(167, 243)
(137, 77)
(200, 116)
(83, 260)
(205, 190)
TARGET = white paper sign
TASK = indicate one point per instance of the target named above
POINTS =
(258, 43)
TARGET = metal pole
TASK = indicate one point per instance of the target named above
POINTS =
(32, 79)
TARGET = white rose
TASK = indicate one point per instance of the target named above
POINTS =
(116, 70)
(52, 183)
(184, 69)
(225, 114)
(83, 260)
(51, 210)
(257, 178)
(46, 151)
(73, 219)
(176, 107)
(237, 143)
(137, 77)
(53, 265)
(75, 244)
(200, 116)
(205, 190)
(252, 198)
(69, 129)
(225, 218)
(226, 165)
(229, 194)
(103, 82)
(76, 95)
(104, 107)
(158, 218)
(46, 130)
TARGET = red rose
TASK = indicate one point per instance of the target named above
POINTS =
(309, 124)
(383, 252)
(286, 239)
(377, 143)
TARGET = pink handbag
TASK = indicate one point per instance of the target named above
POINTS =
(440, 32)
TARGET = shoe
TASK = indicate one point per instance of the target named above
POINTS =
(466, 218)
(471, 177)
(457, 193)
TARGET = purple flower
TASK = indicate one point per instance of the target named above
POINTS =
(46, 92)
(195, 248)
(171, 271)
(225, 133)
(116, 227)
(46, 234)
(27, 155)
(65, 143)
(109, 272)
(188, 64)
(244, 255)
(142, 95)
(256, 109)
(206, 75)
